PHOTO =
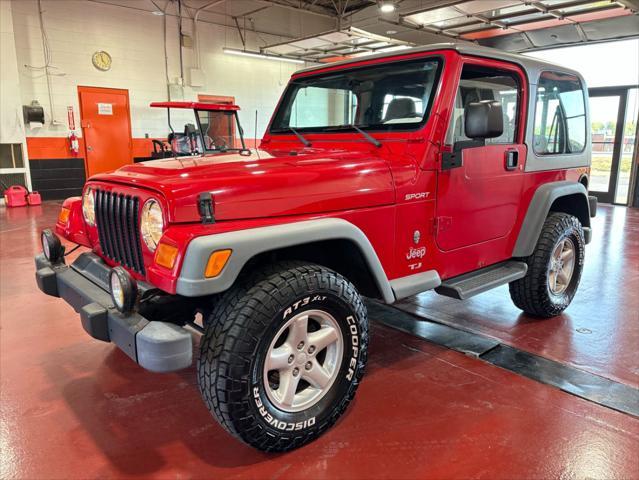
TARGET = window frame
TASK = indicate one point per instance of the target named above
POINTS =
(519, 76)
(388, 128)
(238, 126)
(534, 117)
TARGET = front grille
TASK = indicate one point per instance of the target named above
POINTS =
(117, 221)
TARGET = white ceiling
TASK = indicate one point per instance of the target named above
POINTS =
(508, 24)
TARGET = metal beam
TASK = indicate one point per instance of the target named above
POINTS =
(449, 3)
(544, 9)
(297, 9)
(298, 39)
(581, 32)
(513, 25)
(424, 28)
(631, 5)
(239, 30)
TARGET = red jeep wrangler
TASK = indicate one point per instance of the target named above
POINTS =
(449, 168)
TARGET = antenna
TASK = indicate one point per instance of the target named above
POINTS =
(257, 150)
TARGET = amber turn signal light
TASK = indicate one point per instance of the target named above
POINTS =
(165, 255)
(216, 263)
(63, 216)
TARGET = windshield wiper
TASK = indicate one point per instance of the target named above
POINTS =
(368, 137)
(300, 137)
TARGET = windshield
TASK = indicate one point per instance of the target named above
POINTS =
(394, 96)
(220, 130)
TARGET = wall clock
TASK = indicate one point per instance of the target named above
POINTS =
(102, 60)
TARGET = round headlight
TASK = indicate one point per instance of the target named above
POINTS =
(123, 289)
(51, 246)
(151, 224)
(88, 206)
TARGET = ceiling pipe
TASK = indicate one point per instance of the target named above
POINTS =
(209, 22)
(195, 18)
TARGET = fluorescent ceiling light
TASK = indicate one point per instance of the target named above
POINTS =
(247, 53)
(158, 13)
(387, 7)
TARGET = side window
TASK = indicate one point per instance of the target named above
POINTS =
(560, 115)
(480, 83)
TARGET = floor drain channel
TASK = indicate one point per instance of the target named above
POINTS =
(588, 386)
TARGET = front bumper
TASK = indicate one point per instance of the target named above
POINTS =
(156, 346)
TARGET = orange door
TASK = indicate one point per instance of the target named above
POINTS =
(106, 127)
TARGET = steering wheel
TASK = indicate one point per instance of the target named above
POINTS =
(219, 142)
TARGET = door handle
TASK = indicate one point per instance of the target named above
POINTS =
(512, 159)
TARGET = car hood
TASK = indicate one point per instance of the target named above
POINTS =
(271, 184)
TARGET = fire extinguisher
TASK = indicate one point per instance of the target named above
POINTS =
(74, 144)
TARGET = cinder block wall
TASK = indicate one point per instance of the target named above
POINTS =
(76, 29)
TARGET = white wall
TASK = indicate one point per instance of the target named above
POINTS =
(76, 29)
(11, 119)
(11, 124)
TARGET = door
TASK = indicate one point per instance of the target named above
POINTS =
(613, 116)
(478, 201)
(106, 127)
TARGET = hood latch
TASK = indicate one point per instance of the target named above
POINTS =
(206, 209)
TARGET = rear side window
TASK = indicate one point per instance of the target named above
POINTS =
(560, 115)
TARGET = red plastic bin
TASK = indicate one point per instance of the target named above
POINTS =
(16, 196)
(34, 198)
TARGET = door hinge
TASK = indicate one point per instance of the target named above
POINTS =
(442, 223)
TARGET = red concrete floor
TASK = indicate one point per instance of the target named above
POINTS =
(73, 407)
(598, 333)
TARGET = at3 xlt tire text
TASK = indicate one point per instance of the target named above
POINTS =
(241, 330)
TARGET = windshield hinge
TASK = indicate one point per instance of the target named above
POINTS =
(206, 209)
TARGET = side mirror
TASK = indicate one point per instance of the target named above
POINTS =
(483, 119)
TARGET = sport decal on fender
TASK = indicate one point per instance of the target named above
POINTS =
(271, 420)
(416, 196)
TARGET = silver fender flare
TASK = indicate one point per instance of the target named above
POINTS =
(539, 208)
(246, 244)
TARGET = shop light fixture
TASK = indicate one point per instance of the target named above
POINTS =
(387, 7)
(248, 53)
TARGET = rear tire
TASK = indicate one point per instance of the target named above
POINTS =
(283, 353)
(554, 268)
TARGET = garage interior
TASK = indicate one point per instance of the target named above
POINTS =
(472, 389)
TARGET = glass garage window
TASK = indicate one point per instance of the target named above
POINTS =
(560, 115)
(386, 97)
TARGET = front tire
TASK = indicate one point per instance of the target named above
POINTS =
(554, 268)
(283, 354)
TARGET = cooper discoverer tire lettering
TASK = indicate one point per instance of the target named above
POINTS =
(283, 353)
